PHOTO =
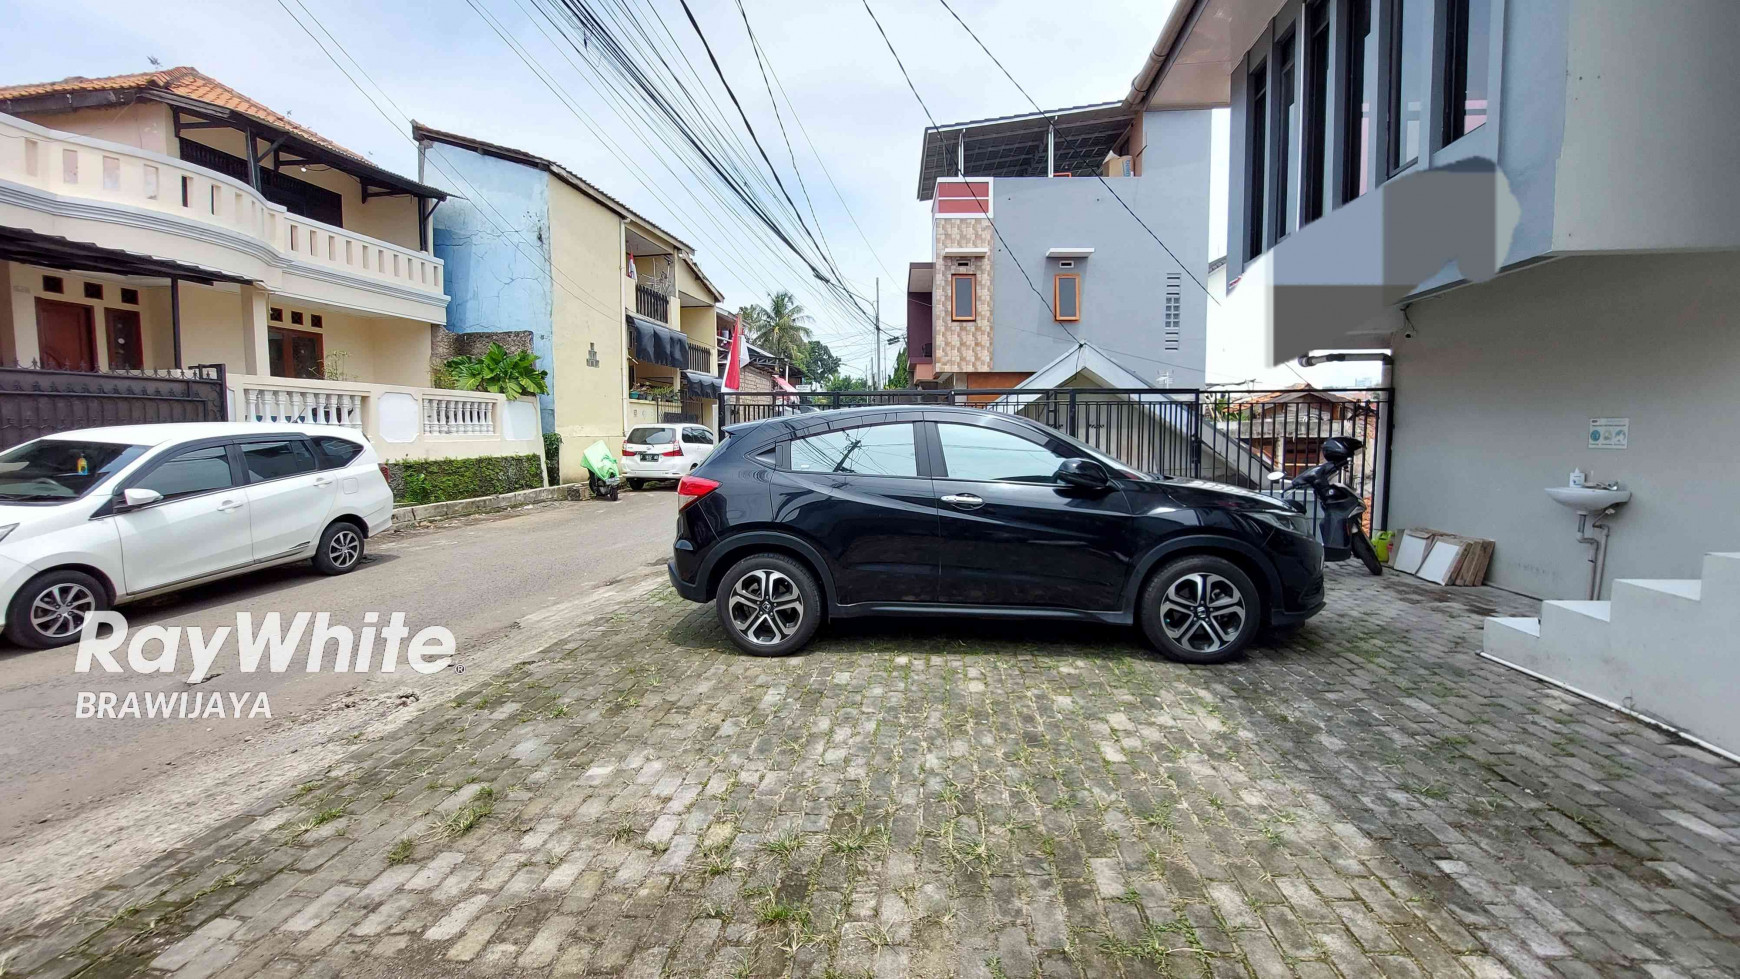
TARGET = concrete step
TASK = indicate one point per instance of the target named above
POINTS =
(1689, 589)
(1579, 628)
(1514, 640)
(1722, 578)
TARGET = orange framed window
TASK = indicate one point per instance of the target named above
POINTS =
(1066, 297)
(963, 297)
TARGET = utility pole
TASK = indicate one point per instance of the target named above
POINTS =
(876, 381)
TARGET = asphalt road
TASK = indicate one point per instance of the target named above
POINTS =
(477, 577)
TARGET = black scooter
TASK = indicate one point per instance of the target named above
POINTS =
(1343, 537)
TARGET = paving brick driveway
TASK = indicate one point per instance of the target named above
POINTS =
(1366, 797)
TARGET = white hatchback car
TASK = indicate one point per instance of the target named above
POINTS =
(669, 451)
(100, 516)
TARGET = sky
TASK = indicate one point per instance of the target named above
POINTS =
(443, 66)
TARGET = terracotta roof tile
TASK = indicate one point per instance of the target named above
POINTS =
(186, 82)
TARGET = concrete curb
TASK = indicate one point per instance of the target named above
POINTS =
(412, 515)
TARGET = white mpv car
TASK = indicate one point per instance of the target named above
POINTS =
(100, 516)
(664, 451)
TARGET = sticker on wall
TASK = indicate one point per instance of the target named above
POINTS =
(1609, 433)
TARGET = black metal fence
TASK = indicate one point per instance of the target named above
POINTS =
(34, 402)
(1234, 437)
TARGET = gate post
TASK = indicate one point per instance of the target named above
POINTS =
(1196, 440)
(1072, 433)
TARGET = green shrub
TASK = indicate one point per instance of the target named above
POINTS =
(553, 456)
(416, 481)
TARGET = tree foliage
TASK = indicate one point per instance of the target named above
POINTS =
(900, 378)
(782, 327)
(818, 363)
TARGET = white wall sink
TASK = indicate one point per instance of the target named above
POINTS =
(1588, 499)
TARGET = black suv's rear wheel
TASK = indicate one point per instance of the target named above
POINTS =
(769, 605)
(1201, 609)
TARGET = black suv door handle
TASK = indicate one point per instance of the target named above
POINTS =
(964, 501)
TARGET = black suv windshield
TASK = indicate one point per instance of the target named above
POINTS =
(53, 470)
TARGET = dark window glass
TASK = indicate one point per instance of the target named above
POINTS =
(1409, 36)
(972, 452)
(1068, 297)
(1360, 92)
(651, 436)
(697, 436)
(193, 471)
(276, 460)
(130, 297)
(276, 315)
(961, 303)
(53, 283)
(315, 321)
(295, 318)
(1286, 138)
(335, 452)
(879, 450)
(1314, 131)
(93, 290)
(51, 469)
(1256, 157)
(1467, 25)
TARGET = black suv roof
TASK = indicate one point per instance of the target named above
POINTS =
(783, 426)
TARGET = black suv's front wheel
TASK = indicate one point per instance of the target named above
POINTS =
(769, 605)
(1201, 609)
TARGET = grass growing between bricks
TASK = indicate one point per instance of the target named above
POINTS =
(966, 800)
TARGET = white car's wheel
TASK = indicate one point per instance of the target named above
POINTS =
(340, 549)
(52, 607)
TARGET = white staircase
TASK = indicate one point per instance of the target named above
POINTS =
(1666, 649)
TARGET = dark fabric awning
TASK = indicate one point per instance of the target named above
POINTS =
(49, 251)
(700, 385)
(655, 343)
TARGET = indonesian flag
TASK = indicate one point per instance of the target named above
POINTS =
(739, 350)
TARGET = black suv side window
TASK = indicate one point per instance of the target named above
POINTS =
(878, 450)
(991, 455)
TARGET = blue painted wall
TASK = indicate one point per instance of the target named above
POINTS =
(494, 235)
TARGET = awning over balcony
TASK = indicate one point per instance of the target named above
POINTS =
(701, 386)
(652, 343)
(48, 251)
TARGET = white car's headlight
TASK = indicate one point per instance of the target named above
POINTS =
(7, 529)
(1288, 520)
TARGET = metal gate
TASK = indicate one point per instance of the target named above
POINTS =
(1234, 437)
(34, 402)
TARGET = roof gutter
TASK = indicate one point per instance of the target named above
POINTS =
(1165, 50)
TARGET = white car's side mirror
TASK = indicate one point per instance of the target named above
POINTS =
(140, 497)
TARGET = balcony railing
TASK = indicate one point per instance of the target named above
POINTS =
(652, 304)
(402, 422)
(72, 166)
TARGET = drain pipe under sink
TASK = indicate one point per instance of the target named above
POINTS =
(1598, 547)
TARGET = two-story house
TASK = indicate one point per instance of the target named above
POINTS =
(1531, 204)
(618, 309)
(159, 221)
(1047, 252)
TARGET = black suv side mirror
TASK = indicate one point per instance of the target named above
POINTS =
(1083, 473)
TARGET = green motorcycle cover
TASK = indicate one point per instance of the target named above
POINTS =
(600, 461)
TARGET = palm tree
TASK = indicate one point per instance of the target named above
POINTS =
(781, 327)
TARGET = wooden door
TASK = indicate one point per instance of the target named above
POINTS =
(64, 336)
(126, 350)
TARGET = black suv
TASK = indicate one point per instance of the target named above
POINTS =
(961, 511)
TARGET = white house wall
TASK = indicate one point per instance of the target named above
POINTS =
(1498, 384)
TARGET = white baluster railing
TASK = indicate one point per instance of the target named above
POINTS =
(301, 406)
(458, 416)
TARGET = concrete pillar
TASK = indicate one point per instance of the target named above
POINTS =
(255, 359)
(22, 303)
